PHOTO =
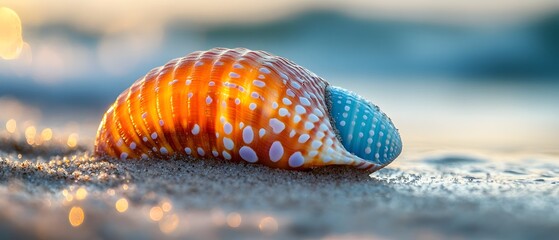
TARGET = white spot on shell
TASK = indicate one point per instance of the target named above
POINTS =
(153, 135)
(211, 83)
(313, 153)
(296, 119)
(309, 125)
(196, 129)
(290, 93)
(228, 143)
(252, 106)
(144, 115)
(283, 112)
(276, 151)
(237, 66)
(248, 135)
(305, 101)
(296, 160)
(259, 83)
(286, 101)
(248, 154)
(208, 100)
(163, 150)
(173, 82)
(226, 155)
(313, 118)
(275, 105)
(215, 153)
(234, 75)
(261, 132)
(123, 155)
(255, 95)
(237, 101)
(303, 138)
(292, 133)
(300, 109)
(277, 125)
(133, 145)
(161, 122)
(145, 139)
(188, 82)
(296, 85)
(187, 150)
(318, 112)
(201, 151)
(199, 63)
(227, 128)
(264, 70)
(316, 144)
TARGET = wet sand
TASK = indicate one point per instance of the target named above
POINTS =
(421, 196)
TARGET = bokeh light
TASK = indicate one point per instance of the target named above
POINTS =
(46, 134)
(268, 225)
(72, 140)
(166, 206)
(234, 219)
(76, 216)
(11, 126)
(81, 193)
(156, 213)
(30, 133)
(121, 205)
(11, 41)
(169, 224)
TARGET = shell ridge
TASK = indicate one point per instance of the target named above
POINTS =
(135, 141)
(164, 145)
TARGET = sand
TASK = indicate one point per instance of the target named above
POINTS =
(421, 196)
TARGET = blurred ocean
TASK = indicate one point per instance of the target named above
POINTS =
(444, 83)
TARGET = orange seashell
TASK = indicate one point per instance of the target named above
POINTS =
(243, 105)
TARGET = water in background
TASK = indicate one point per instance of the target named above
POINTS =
(448, 84)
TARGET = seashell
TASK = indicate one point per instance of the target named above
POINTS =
(243, 105)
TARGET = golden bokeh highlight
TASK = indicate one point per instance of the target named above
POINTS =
(11, 40)
(268, 225)
(11, 125)
(169, 224)
(72, 140)
(121, 205)
(46, 134)
(166, 206)
(234, 220)
(156, 213)
(76, 216)
(30, 133)
(81, 193)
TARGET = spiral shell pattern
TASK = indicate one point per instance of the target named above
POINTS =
(239, 105)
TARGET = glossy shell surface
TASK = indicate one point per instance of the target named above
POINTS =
(234, 105)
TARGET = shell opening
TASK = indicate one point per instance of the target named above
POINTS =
(363, 129)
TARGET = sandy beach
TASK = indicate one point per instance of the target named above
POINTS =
(426, 196)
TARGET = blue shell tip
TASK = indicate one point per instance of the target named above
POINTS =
(364, 130)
